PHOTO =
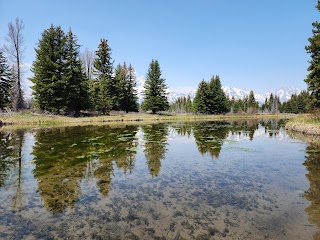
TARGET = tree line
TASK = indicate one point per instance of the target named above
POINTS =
(66, 81)
(298, 103)
(63, 83)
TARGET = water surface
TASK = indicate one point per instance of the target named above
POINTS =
(210, 180)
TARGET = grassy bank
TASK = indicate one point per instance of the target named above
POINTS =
(307, 124)
(30, 120)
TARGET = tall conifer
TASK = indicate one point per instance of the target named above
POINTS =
(155, 89)
(76, 83)
(48, 69)
(103, 64)
(59, 83)
(313, 78)
(201, 100)
(130, 99)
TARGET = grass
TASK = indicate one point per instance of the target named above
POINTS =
(306, 123)
(31, 120)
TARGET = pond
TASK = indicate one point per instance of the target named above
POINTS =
(245, 179)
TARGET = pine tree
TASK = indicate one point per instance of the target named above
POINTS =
(313, 78)
(201, 100)
(127, 95)
(264, 107)
(76, 83)
(103, 64)
(218, 102)
(120, 78)
(48, 69)
(245, 102)
(213, 97)
(189, 105)
(131, 99)
(296, 104)
(270, 102)
(59, 82)
(155, 89)
(253, 105)
(5, 82)
(182, 105)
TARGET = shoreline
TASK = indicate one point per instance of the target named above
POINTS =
(305, 125)
(30, 120)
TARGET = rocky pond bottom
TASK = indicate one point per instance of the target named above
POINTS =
(210, 180)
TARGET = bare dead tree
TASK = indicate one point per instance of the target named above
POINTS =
(15, 51)
(87, 62)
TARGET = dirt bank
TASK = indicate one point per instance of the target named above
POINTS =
(304, 127)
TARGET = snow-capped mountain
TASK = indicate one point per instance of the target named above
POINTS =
(283, 93)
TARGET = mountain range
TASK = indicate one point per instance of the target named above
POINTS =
(283, 93)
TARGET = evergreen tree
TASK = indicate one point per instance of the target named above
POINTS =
(104, 99)
(232, 105)
(189, 104)
(155, 89)
(201, 100)
(210, 98)
(218, 102)
(252, 100)
(264, 106)
(245, 102)
(130, 96)
(59, 83)
(76, 83)
(270, 102)
(297, 103)
(313, 78)
(120, 79)
(182, 105)
(48, 69)
(253, 105)
(5, 82)
(127, 95)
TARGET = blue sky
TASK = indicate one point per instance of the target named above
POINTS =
(250, 44)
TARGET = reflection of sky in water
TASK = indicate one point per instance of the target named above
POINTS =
(236, 188)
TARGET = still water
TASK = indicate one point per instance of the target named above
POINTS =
(209, 180)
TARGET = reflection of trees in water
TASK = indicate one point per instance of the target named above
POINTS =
(209, 137)
(155, 138)
(8, 157)
(312, 164)
(183, 129)
(17, 198)
(11, 164)
(246, 127)
(65, 156)
(272, 126)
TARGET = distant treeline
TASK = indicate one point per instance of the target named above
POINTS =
(210, 101)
